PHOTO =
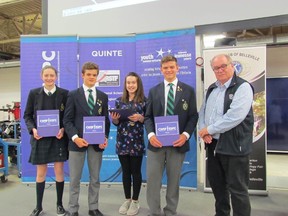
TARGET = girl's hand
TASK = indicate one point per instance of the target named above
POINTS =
(115, 117)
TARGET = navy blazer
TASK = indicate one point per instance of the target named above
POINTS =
(184, 106)
(77, 108)
(35, 102)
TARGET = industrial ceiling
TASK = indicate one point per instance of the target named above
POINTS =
(24, 17)
(17, 17)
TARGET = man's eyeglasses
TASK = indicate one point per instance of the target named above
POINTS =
(223, 66)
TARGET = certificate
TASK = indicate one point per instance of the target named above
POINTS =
(167, 129)
(124, 113)
(94, 129)
(48, 123)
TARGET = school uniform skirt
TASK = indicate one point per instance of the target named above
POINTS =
(48, 150)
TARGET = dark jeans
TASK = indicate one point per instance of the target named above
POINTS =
(131, 166)
(229, 175)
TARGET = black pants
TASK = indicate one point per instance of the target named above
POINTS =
(229, 176)
(131, 166)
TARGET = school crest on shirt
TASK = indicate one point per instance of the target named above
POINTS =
(179, 88)
(62, 107)
(100, 110)
(99, 103)
(185, 105)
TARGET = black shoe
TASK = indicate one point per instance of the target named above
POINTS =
(95, 212)
(72, 214)
(60, 210)
(36, 212)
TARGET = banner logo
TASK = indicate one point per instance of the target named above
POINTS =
(48, 57)
(156, 57)
(108, 78)
(238, 67)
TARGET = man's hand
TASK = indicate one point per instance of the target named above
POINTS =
(207, 139)
(80, 142)
(104, 145)
(155, 142)
(203, 132)
(180, 142)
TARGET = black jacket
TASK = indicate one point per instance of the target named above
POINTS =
(35, 102)
(184, 106)
(77, 108)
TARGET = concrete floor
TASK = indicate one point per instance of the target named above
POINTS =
(18, 199)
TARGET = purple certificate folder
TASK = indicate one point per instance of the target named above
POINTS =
(48, 123)
(94, 129)
(167, 129)
(124, 113)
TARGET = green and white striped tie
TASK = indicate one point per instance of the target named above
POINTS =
(90, 101)
(170, 101)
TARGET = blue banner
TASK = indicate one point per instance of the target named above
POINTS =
(116, 57)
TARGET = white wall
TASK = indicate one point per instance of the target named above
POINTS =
(157, 16)
(277, 64)
(9, 87)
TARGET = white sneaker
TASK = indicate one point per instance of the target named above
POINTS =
(134, 208)
(124, 207)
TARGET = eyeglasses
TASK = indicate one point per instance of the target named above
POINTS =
(223, 66)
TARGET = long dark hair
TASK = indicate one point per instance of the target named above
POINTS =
(139, 94)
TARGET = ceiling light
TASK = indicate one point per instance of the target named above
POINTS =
(209, 40)
(98, 5)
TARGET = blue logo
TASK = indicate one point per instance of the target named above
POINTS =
(238, 67)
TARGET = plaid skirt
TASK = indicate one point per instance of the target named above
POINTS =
(49, 150)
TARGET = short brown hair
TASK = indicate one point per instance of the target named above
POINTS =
(168, 58)
(90, 66)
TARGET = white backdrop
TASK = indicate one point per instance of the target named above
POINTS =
(156, 16)
(250, 64)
